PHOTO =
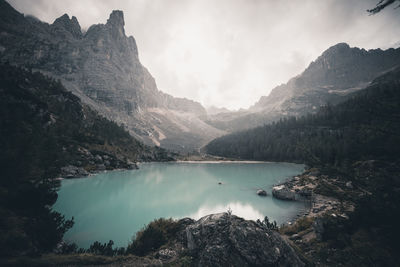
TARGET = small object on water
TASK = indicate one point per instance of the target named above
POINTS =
(261, 192)
(219, 183)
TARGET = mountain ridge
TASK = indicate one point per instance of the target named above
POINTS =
(337, 72)
(102, 67)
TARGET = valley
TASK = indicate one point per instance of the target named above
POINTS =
(102, 67)
(99, 166)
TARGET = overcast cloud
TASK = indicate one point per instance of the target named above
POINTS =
(230, 52)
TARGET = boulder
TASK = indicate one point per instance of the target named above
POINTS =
(166, 254)
(72, 171)
(98, 158)
(261, 192)
(100, 167)
(131, 165)
(284, 193)
(227, 240)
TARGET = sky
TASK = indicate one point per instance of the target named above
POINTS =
(229, 53)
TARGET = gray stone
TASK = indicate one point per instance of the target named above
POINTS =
(227, 240)
(72, 171)
(282, 192)
(166, 254)
(100, 167)
(261, 192)
(98, 158)
(132, 165)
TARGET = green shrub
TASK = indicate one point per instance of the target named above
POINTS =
(267, 224)
(153, 236)
(98, 248)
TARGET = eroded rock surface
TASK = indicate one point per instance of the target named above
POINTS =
(227, 240)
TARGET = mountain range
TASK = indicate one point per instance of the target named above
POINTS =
(101, 66)
(76, 102)
(331, 78)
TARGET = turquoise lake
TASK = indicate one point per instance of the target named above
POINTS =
(115, 205)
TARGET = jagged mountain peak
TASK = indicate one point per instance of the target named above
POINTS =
(332, 77)
(102, 67)
(334, 55)
(71, 25)
(116, 24)
(342, 66)
(339, 47)
(116, 18)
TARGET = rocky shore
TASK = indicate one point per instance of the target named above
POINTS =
(329, 203)
(88, 162)
(310, 186)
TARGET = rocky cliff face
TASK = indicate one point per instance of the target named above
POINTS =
(50, 132)
(102, 67)
(339, 71)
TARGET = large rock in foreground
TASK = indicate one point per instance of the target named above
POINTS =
(227, 240)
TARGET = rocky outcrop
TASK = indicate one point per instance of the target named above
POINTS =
(262, 192)
(66, 137)
(64, 23)
(283, 192)
(102, 67)
(298, 188)
(71, 171)
(227, 240)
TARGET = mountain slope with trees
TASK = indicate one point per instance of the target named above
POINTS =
(363, 127)
(354, 149)
(337, 73)
(43, 130)
(102, 67)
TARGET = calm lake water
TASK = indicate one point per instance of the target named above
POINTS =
(115, 205)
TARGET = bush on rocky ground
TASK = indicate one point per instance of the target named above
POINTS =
(153, 236)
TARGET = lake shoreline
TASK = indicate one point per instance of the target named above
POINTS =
(176, 190)
(226, 161)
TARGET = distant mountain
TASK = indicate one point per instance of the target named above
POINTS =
(103, 69)
(216, 110)
(339, 71)
(365, 126)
